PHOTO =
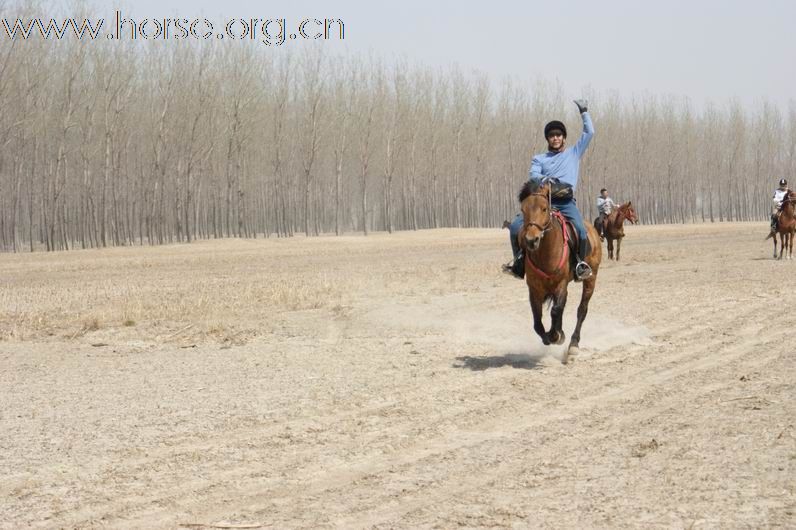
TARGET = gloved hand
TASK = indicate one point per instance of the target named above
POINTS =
(582, 104)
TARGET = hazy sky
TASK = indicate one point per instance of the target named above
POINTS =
(702, 49)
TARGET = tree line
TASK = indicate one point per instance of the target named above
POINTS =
(107, 144)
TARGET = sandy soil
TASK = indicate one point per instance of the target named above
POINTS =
(395, 382)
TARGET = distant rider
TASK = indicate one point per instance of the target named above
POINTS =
(605, 205)
(779, 197)
(564, 164)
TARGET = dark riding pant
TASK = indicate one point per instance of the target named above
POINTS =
(514, 232)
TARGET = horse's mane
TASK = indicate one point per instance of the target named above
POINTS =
(530, 187)
(790, 198)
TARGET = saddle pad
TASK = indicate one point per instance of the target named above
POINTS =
(573, 242)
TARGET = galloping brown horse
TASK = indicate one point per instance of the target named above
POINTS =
(548, 270)
(786, 226)
(615, 227)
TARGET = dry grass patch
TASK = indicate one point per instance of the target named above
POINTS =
(232, 284)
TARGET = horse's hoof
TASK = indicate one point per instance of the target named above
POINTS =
(573, 351)
(561, 338)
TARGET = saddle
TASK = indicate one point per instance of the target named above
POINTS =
(573, 242)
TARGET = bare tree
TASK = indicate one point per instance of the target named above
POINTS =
(312, 87)
(113, 144)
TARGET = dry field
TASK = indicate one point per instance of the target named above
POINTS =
(395, 382)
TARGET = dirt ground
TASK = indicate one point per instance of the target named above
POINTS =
(395, 382)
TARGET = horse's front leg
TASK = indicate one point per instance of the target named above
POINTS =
(610, 248)
(775, 245)
(782, 243)
(556, 335)
(618, 247)
(583, 309)
(537, 302)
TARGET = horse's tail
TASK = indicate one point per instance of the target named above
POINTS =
(548, 301)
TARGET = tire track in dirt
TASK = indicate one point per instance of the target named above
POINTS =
(510, 457)
(684, 363)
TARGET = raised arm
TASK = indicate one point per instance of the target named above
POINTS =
(585, 138)
(588, 128)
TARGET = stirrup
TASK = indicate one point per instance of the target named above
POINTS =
(582, 271)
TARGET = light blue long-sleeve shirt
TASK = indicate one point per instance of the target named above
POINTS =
(564, 165)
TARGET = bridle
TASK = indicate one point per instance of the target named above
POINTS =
(544, 229)
(623, 213)
(549, 224)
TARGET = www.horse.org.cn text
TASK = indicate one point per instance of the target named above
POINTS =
(268, 31)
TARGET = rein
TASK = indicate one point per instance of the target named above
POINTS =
(622, 215)
(549, 226)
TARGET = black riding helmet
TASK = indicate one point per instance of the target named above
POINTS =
(782, 182)
(555, 125)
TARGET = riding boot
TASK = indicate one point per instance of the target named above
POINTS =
(582, 269)
(517, 267)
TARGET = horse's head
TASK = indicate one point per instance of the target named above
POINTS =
(789, 204)
(536, 214)
(630, 213)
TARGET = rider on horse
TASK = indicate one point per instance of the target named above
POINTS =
(776, 206)
(563, 164)
(605, 205)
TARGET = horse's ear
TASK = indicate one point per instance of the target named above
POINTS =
(630, 203)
